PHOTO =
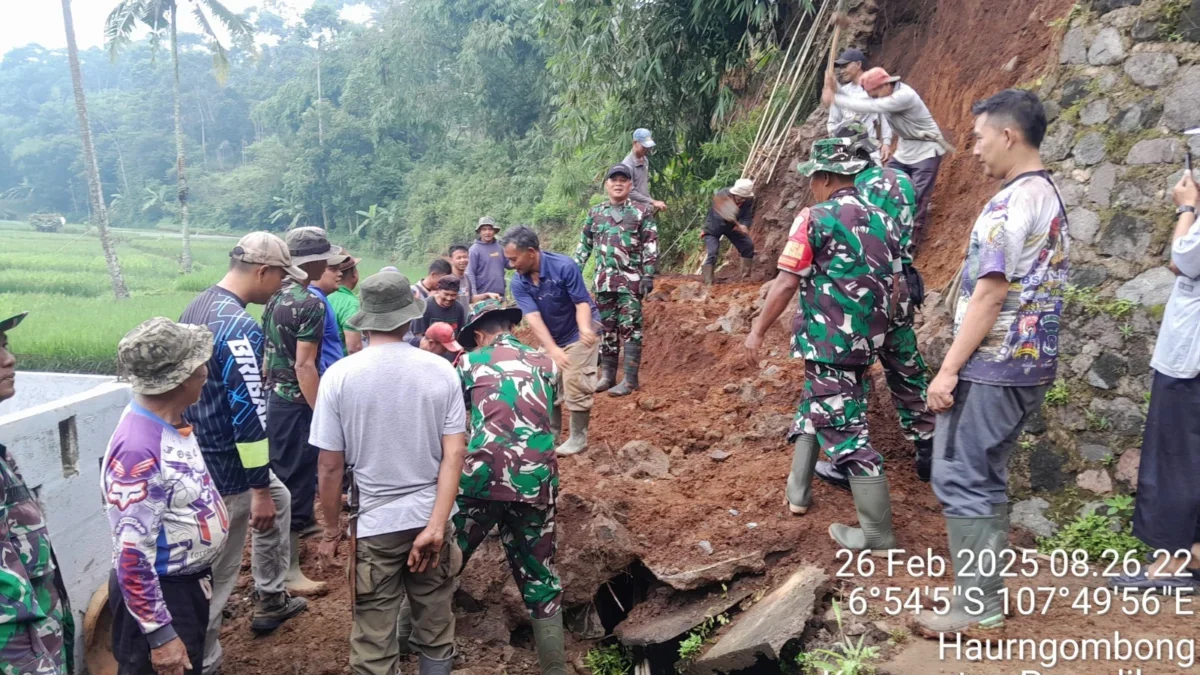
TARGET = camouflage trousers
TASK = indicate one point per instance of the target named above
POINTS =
(833, 408)
(44, 646)
(621, 314)
(527, 534)
(908, 380)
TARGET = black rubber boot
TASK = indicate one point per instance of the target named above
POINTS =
(709, 272)
(829, 473)
(924, 459)
(608, 373)
(428, 666)
(556, 420)
(633, 360)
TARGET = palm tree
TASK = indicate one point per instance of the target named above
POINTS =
(162, 15)
(99, 210)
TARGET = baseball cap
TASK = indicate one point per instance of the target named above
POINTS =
(443, 333)
(310, 244)
(618, 170)
(875, 78)
(642, 136)
(264, 248)
(833, 155)
(12, 322)
(159, 354)
(849, 56)
(349, 263)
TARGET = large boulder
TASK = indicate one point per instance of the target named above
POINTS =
(1084, 225)
(1096, 112)
(1107, 48)
(1150, 288)
(1104, 177)
(1156, 151)
(1125, 237)
(1181, 109)
(1151, 69)
(1090, 150)
(1057, 145)
(1074, 47)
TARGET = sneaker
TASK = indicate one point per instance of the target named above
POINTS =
(1143, 581)
(270, 612)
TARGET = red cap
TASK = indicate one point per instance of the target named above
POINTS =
(443, 333)
(876, 78)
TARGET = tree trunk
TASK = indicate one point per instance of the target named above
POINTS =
(203, 136)
(185, 260)
(99, 210)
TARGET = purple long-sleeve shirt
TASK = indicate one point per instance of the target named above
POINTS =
(166, 515)
(486, 268)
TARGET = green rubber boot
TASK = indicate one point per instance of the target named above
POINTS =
(747, 268)
(709, 271)
(551, 648)
(428, 666)
(633, 361)
(578, 441)
(975, 604)
(874, 506)
(799, 482)
(608, 373)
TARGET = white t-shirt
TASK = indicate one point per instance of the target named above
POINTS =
(1177, 352)
(387, 408)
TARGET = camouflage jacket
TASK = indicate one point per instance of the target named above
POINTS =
(846, 250)
(292, 315)
(626, 242)
(509, 390)
(892, 190)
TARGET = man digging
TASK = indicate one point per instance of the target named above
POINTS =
(730, 216)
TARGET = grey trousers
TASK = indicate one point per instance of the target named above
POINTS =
(972, 444)
(269, 559)
(923, 174)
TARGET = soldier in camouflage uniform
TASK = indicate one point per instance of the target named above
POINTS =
(37, 631)
(510, 477)
(844, 256)
(625, 238)
(904, 369)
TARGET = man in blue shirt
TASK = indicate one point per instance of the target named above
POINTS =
(332, 347)
(231, 411)
(549, 289)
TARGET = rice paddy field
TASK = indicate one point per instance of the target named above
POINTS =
(74, 322)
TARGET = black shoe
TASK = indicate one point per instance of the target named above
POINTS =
(924, 459)
(829, 473)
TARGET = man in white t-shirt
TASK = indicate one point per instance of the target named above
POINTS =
(851, 65)
(396, 416)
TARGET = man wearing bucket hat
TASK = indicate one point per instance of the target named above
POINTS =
(229, 422)
(168, 520)
(294, 326)
(730, 216)
(402, 494)
(844, 256)
(36, 624)
(638, 163)
(510, 478)
(921, 144)
(485, 260)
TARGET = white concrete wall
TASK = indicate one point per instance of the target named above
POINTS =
(64, 472)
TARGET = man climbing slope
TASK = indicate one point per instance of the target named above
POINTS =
(625, 238)
(843, 254)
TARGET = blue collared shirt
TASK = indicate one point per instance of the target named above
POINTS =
(560, 287)
(331, 341)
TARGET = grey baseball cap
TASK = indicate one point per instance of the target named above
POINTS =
(159, 354)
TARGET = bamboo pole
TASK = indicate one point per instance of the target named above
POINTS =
(771, 99)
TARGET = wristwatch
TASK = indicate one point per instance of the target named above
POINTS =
(1186, 208)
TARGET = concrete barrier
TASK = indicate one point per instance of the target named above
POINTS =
(57, 427)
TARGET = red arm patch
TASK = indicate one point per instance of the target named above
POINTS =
(797, 254)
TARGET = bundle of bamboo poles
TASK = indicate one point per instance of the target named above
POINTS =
(790, 95)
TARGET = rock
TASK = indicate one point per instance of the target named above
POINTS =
(1144, 30)
(1107, 80)
(646, 460)
(1053, 110)
(1095, 112)
(1150, 288)
(706, 547)
(1084, 225)
(584, 621)
(1107, 370)
(735, 513)
(1128, 465)
(1151, 69)
(1031, 515)
(1107, 48)
(1194, 145)
(1104, 177)
(751, 394)
(1140, 115)
(1090, 149)
(1045, 470)
(1089, 508)
(1095, 480)
(1103, 7)
(1122, 18)
(730, 388)
(691, 291)
(1180, 110)
(1125, 237)
(1074, 90)
(1011, 65)
(1123, 415)
(735, 320)
(1133, 194)
(751, 526)
(650, 403)
(1189, 23)
(772, 425)
(1087, 275)
(490, 627)
(1155, 151)
(790, 205)
(1071, 191)
(1074, 47)
(724, 570)
(768, 625)
(1057, 145)
(718, 455)
(1094, 452)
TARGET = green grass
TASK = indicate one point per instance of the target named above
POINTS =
(62, 281)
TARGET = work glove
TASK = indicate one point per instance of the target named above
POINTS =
(647, 286)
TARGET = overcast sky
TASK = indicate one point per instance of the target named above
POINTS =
(41, 21)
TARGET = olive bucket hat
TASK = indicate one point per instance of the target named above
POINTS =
(833, 155)
(159, 354)
(387, 303)
(479, 311)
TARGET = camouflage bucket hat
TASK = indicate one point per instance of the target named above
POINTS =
(310, 244)
(857, 133)
(832, 155)
(387, 303)
(480, 310)
(159, 355)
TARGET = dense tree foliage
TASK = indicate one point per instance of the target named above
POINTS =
(402, 130)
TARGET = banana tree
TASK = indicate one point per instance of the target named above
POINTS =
(162, 16)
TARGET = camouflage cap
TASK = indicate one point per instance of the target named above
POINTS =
(857, 133)
(310, 244)
(12, 322)
(159, 355)
(264, 248)
(479, 311)
(832, 155)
